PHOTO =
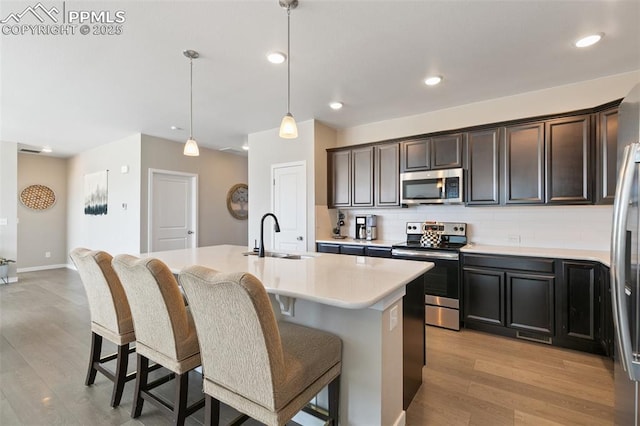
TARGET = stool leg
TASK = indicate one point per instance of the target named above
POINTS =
(334, 400)
(211, 411)
(141, 384)
(94, 357)
(122, 362)
(180, 402)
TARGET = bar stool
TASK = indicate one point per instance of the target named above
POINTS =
(165, 333)
(110, 318)
(266, 370)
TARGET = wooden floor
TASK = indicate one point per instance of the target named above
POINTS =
(470, 379)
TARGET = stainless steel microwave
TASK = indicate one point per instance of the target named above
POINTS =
(432, 187)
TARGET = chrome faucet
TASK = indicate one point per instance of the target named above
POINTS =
(276, 228)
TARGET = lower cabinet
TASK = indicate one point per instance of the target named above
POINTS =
(354, 250)
(560, 302)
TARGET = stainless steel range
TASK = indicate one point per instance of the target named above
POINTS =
(440, 243)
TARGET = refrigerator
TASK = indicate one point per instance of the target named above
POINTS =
(625, 264)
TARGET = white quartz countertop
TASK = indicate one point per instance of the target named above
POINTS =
(601, 256)
(352, 282)
(353, 241)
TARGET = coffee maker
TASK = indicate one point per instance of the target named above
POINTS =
(371, 227)
(361, 227)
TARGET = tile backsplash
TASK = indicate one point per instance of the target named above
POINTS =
(576, 227)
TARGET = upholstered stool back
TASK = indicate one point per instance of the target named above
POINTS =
(108, 304)
(164, 331)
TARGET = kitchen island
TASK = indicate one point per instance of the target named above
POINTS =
(357, 298)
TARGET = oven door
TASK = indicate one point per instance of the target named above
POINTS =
(442, 285)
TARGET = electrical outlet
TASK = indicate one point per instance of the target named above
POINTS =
(514, 239)
(47, 254)
(393, 318)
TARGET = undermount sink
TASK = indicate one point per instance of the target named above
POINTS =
(278, 255)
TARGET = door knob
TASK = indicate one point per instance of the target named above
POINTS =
(189, 232)
(299, 238)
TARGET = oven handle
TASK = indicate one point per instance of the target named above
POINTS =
(425, 254)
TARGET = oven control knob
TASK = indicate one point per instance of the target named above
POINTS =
(455, 228)
(461, 228)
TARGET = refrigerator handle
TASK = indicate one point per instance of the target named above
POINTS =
(618, 256)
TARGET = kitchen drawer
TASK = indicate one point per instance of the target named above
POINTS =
(521, 263)
(379, 252)
(328, 248)
(353, 250)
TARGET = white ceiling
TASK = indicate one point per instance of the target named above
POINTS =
(79, 91)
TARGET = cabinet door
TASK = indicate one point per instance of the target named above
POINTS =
(340, 179)
(580, 294)
(483, 291)
(483, 184)
(327, 248)
(607, 146)
(374, 251)
(530, 304)
(353, 250)
(387, 176)
(415, 155)
(362, 166)
(568, 161)
(446, 151)
(524, 164)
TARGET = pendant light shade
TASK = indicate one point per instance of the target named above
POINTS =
(288, 128)
(191, 147)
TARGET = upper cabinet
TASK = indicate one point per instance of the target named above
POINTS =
(606, 155)
(364, 177)
(483, 159)
(569, 170)
(524, 164)
(438, 152)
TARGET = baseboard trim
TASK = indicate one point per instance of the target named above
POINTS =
(9, 280)
(42, 268)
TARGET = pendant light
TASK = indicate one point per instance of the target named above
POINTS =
(288, 128)
(191, 147)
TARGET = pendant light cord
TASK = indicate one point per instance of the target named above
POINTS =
(288, 59)
(191, 98)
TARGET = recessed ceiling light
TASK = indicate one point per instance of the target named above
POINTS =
(46, 149)
(432, 81)
(589, 40)
(175, 128)
(336, 105)
(276, 57)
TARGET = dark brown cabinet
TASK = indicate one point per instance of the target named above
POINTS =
(580, 299)
(339, 182)
(524, 164)
(364, 177)
(387, 175)
(568, 160)
(606, 155)
(438, 152)
(530, 302)
(354, 250)
(484, 300)
(362, 186)
(483, 160)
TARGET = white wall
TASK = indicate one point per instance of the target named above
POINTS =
(266, 149)
(8, 204)
(217, 172)
(119, 230)
(42, 231)
(585, 94)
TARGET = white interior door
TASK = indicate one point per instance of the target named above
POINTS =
(290, 206)
(172, 210)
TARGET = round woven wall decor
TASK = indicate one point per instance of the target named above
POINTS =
(38, 197)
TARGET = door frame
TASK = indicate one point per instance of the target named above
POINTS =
(302, 163)
(194, 203)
